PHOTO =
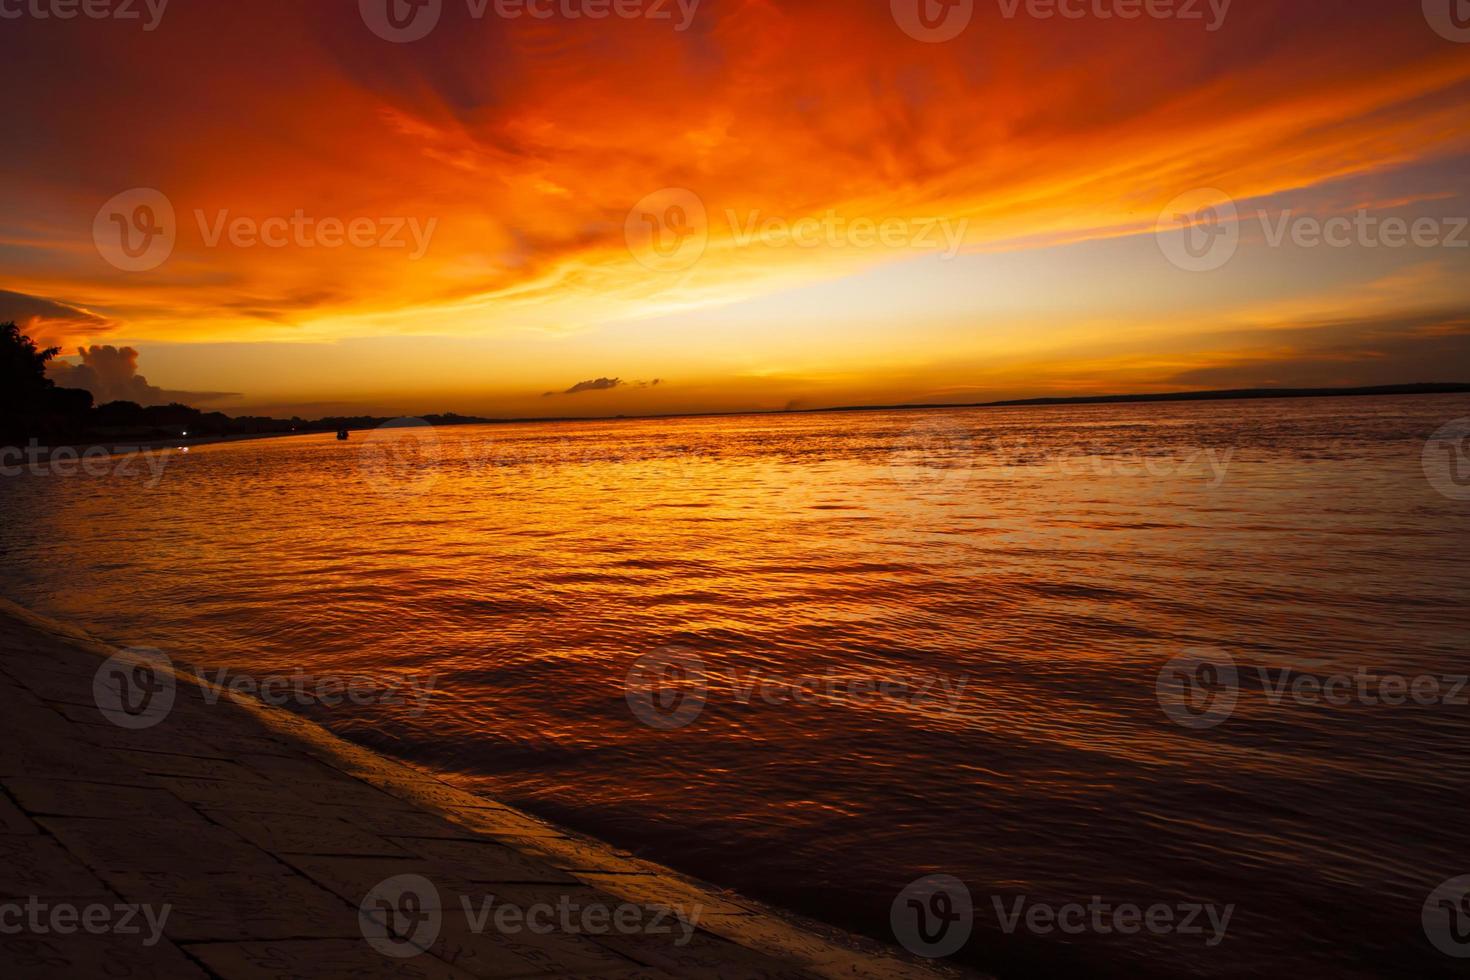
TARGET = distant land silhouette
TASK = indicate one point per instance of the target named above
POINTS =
(1229, 394)
(1232, 394)
(31, 406)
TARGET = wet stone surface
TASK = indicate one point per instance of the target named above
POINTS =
(230, 840)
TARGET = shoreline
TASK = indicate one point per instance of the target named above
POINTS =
(119, 448)
(263, 834)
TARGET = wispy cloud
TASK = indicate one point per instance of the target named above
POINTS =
(598, 384)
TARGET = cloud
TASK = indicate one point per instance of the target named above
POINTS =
(111, 374)
(1022, 127)
(601, 384)
(50, 323)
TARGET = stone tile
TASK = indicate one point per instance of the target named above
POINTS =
(195, 846)
(66, 758)
(34, 722)
(582, 911)
(12, 820)
(766, 932)
(501, 821)
(41, 867)
(666, 891)
(182, 723)
(702, 957)
(18, 695)
(317, 959)
(306, 835)
(82, 714)
(238, 907)
(49, 957)
(240, 797)
(20, 662)
(636, 973)
(247, 742)
(103, 733)
(571, 854)
(432, 793)
(194, 767)
(173, 814)
(321, 783)
(352, 878)
(402, 823)
(361, 762)
(292, 767)
(66, 798)
(494, 954)
(481, 861)
(47, 654)
(64, 688)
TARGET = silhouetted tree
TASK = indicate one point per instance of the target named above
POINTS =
(23, 381)
(117, 415)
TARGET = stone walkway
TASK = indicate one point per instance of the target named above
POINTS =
(236, 840)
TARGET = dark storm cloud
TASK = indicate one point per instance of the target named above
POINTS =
(111, 374)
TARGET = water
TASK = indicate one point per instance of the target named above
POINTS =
(1017, 578)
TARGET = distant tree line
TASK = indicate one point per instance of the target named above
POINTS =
(32, 406)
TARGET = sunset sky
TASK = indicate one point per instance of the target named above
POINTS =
(1020, 170)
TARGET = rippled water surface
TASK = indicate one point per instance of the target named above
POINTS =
(927, 642)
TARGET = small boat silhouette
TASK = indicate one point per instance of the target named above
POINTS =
(341, 435)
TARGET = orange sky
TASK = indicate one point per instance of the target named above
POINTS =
(1017, 173)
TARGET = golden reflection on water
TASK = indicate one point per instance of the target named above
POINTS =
(1015, 578)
